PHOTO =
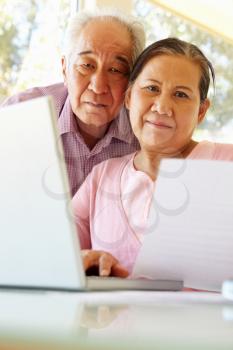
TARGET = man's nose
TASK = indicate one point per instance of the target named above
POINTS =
(162, 105)
(99, 82)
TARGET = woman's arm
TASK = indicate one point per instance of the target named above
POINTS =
(81, 212)
(103, 262)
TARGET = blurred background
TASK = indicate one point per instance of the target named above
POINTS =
(32, 33)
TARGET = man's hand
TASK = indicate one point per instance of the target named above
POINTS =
(107, 265)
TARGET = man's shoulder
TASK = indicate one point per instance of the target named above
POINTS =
(57, 91)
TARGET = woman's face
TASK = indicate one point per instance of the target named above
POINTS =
(164, 104)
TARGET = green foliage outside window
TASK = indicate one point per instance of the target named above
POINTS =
(14, 39)
(30, 36)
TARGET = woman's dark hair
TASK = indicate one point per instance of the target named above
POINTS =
(174, 46)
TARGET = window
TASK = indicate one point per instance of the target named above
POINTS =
(31, 34)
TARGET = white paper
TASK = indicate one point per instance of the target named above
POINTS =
(190, 227)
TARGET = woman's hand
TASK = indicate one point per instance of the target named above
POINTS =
(101, 316)
(106, 263)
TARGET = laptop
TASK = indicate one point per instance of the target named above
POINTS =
(39, 247)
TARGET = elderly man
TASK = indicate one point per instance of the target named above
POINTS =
(99, 53)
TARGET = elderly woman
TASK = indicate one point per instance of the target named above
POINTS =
(166, 99)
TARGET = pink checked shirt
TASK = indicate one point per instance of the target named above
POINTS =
(112, 205)
(118, 141)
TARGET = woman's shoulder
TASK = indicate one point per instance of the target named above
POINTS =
(107, 174)
(113, 165)
(224, 151)
(213, 151)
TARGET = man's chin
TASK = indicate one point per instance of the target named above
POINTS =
(90, 127)
(97, 120)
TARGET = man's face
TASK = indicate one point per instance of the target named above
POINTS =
(96, 72)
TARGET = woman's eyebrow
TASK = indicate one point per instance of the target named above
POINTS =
(184, 87)
(85, 52)
(153, 81)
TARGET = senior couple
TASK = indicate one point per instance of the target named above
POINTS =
(165, 92)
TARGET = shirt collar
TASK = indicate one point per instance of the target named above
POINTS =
(67, 121)
(120, 127)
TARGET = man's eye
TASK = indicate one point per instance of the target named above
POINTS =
(181, 94)
(115, 70)
(84, 68)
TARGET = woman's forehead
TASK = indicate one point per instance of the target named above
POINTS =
(172, 67)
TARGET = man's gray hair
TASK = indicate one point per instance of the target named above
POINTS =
(80, 19)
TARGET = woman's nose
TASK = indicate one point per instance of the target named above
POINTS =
(162, 105)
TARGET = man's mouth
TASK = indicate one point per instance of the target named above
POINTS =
(96, 105)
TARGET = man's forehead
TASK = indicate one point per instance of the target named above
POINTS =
(101, 37)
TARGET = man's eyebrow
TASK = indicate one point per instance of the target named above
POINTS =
(119, 58)
(123, 60)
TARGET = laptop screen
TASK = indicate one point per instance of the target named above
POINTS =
(38, 242)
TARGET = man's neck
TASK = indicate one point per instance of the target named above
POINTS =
(92, 134)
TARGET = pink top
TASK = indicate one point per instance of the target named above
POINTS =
(118, 141)
(112, 206)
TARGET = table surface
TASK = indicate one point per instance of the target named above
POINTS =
(115, 320)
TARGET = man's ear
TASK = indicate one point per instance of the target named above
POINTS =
(127, 97)
(64, 67)
(204, 106)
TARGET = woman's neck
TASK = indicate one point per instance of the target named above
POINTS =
(148, 161)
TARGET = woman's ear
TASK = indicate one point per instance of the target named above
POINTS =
(127, 97)
(204, 106)
(64, 66)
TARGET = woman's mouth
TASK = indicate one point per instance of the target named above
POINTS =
(159, 125)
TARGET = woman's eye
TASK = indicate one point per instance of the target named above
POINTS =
(181, 94)
(152, 88)
(87, 65)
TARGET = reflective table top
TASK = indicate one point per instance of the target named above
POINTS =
(112, 320)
